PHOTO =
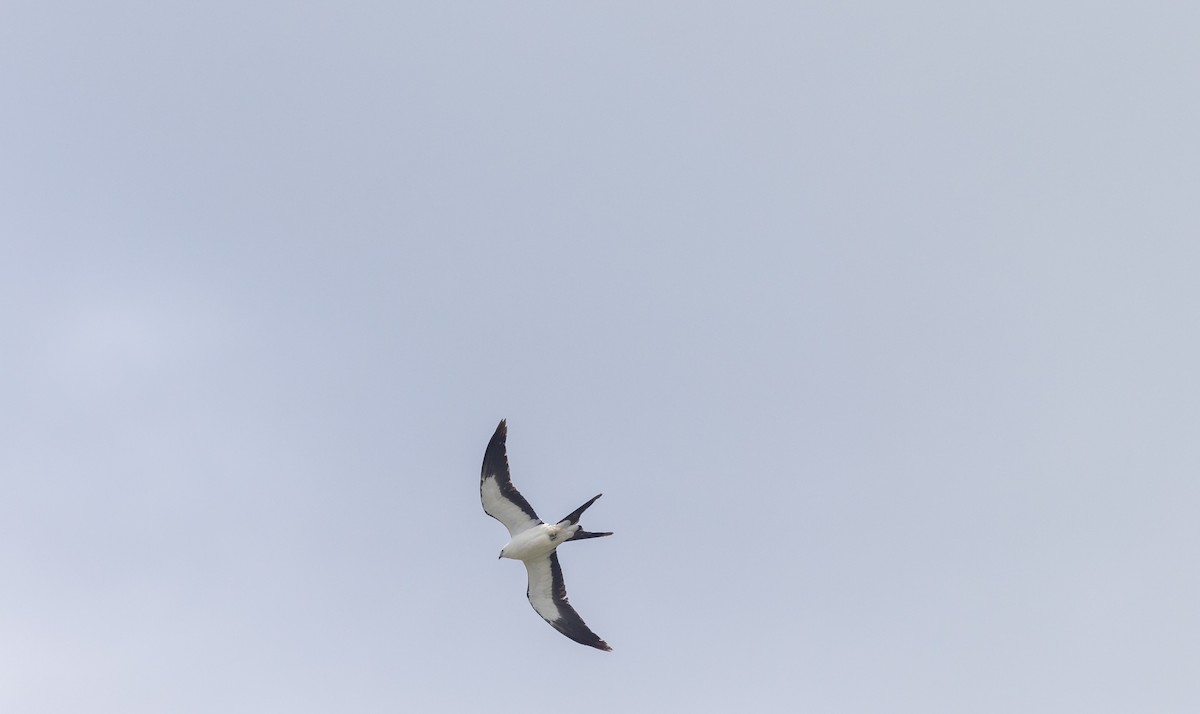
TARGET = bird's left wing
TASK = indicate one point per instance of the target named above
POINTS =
(548, 594)
(502, 500)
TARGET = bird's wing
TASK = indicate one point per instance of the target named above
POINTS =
(548, 594)
(501, 500)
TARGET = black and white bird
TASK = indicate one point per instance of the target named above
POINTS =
(534, 542)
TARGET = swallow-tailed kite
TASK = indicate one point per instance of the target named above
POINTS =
(534, 542)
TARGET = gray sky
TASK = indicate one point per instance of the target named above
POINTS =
(876, 323)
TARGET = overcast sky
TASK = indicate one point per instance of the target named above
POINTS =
(877, 324)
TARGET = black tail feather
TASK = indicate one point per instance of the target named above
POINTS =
(582, 534)
(574, 517)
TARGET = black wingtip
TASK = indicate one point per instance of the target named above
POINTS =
(597, 643)
(496, 443)
(580, 633)
(495, 459)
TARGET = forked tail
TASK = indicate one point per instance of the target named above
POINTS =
(574, 518)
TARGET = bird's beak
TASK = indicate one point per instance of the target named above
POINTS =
(498, 557)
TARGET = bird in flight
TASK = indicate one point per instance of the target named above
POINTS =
(534, 542)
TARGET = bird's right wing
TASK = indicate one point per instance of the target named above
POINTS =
(501, 500)
(548, 594)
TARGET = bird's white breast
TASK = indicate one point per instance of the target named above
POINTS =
(539, 541)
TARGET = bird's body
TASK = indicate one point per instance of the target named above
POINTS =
(538, 541)
(535, 543)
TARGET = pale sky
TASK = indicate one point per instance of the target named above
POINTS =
(876, 323)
